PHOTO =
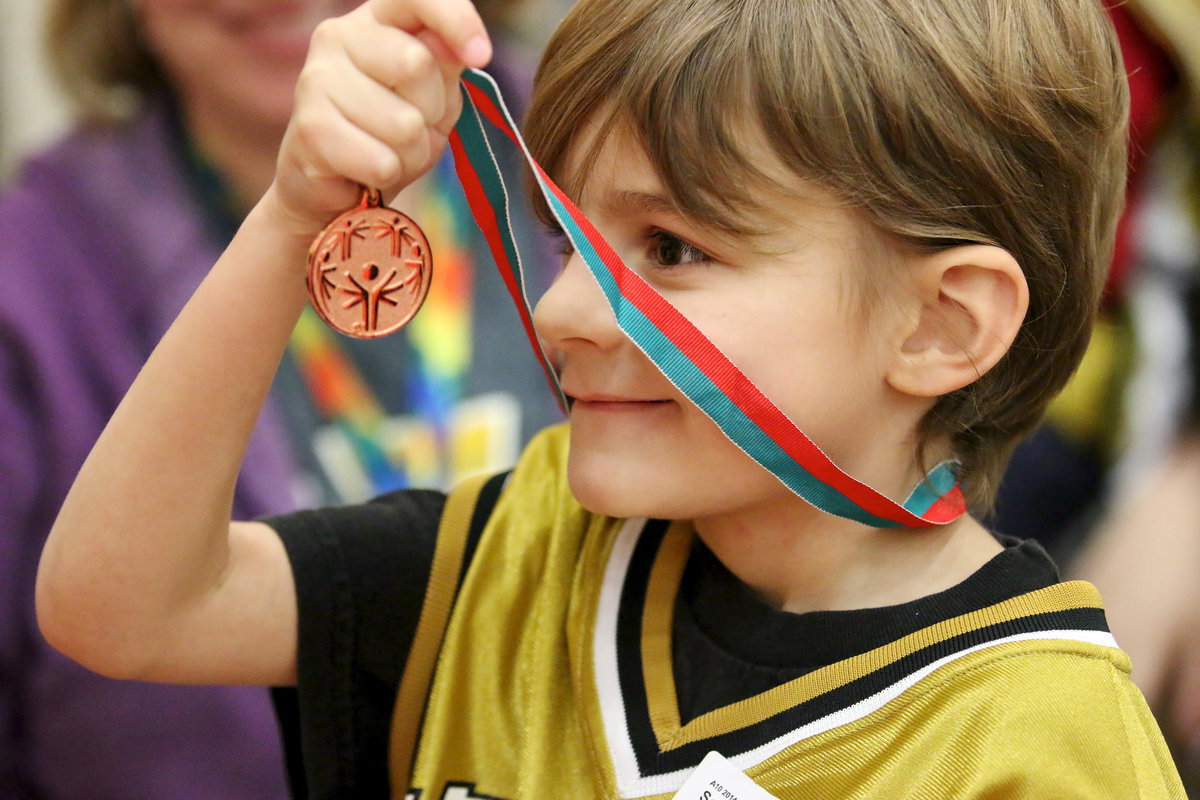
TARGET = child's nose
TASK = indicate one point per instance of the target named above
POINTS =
(574, 310)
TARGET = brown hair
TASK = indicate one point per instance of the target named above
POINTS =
(97, 53)
(945, 122)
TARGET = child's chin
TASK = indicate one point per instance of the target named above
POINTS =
(626, 499)
(607, 498)
(600, 503)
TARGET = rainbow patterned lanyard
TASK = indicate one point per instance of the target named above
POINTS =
(343, 399)
(441, 334)
(438, 343)
(676, 347)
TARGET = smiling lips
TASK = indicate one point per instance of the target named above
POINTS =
(609, 402)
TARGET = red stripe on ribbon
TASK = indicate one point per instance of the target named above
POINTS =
(485, 216)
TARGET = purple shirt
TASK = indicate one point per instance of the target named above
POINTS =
(101, 243)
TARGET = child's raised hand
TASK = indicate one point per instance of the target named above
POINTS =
(374, 105)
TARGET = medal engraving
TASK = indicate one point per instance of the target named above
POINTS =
(369, 270)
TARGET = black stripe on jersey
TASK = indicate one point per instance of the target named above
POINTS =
(489, 495)
(731, 743)
(629, 641)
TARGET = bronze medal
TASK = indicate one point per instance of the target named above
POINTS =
(369, 270)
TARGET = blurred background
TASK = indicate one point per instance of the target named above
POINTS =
(134, 135)
(1110, 484)
(34, 110)
(32, 107)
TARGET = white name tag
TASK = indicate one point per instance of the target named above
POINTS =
(717, 779)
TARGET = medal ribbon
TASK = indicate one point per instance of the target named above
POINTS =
(676, 347)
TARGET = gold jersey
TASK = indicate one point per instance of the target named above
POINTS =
(553, 679)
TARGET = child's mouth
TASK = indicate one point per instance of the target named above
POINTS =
(614, 404)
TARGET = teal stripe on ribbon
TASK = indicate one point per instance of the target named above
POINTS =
(940, 480)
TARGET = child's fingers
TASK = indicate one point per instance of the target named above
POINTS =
(456, 22)
(336, 147)
(403, 64)
(386, 116)
(454, 105)
(451, 75)
(375, 101)
(449, 64)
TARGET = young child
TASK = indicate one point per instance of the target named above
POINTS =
(892, 215)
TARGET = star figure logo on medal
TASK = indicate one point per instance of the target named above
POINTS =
(384, 279)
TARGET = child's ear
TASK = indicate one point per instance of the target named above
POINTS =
(970, 303)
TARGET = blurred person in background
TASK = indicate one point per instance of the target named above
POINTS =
(105, 234)
(1144, 551)
(1113, 478)
(1119, 407)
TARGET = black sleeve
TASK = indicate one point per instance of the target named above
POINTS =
(360, 575)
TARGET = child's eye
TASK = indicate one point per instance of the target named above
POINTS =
(562, 243)
(668, 250)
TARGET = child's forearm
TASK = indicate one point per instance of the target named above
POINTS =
(145, 529)
(143, 575)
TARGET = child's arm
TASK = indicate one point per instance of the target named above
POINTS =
(143, 575)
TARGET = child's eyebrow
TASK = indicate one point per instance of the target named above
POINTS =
(635, 202)
(632, 202)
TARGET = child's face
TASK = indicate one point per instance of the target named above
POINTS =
(789, 319)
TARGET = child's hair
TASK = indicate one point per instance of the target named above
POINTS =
(944, 122)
